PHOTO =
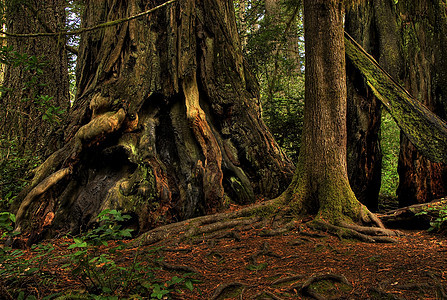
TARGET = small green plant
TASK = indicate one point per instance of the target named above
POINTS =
(440, 216)
(98, 272)
(6, 221)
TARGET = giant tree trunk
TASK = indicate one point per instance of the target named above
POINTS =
(165, 124)
(424, 40)
(320, 184)
(22, 110)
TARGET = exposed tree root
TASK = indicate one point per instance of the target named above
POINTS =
(312, 234)
(299, 241)
(186, 250)
(222, 225)
(287, 279)
(356, 232)
(306, 290)
(191, 227)
(226, 235)
(219, 226)
(38, 190)
(381, 294)
(223, 288)
(265, 251)
(373, 231)
(181, 268)
(278, 231)
(264, 294)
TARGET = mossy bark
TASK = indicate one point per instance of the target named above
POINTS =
(166, 123)
(320, 185)
(426, 130)
(407, 39)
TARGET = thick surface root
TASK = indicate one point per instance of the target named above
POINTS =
(41, 188)
(361, 233)
(222, 289)
(205, 225)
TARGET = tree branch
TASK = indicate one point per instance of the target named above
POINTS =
(82, 30)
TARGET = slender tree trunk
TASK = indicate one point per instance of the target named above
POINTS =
(22, 109)
(165, 124)
(320, 183)
(424, 37)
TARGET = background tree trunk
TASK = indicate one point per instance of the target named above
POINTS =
(20, 118)
(165, 124)
(363, 116)
(424, 36)
(373, 25)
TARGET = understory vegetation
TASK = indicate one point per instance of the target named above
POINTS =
(96, 258)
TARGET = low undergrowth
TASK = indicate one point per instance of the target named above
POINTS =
(438, 216)
(99, 259)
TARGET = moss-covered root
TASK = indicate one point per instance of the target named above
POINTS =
(357, 232)
(306, 287)
(208, 224)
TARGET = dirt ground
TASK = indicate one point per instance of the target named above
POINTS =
(248, 264)
(413, 268)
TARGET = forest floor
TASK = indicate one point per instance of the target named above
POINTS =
(245, 263)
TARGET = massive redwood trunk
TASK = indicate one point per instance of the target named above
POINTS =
(424, 40)
(165, 124)
(44, 74)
